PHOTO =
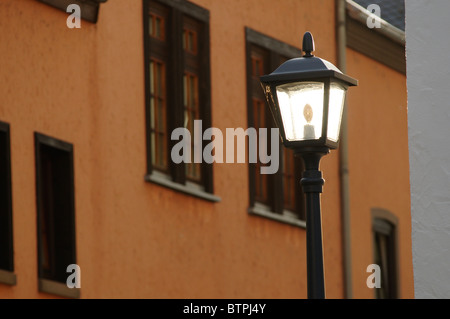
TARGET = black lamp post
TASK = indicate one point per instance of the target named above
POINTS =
(306, 96)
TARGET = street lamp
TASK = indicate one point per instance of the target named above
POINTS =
(306, 96)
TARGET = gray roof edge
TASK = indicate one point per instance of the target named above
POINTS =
(361, 14)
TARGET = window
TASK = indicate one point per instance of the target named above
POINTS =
(178, 91)
(278, 196)
(55, 213)
(6, 232)
(88, 8)
(385, 256)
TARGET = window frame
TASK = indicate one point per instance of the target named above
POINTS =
(52, 285)
(276, 51)
(386, 223)
(7, 275)
(179, 14)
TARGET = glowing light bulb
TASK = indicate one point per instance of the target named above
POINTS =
(308, 113)
(308, 130)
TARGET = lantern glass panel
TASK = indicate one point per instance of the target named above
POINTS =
(301, 108)
(337, 98)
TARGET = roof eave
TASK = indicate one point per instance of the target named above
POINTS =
(361, 14)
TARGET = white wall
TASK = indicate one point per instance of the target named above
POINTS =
(428, 80)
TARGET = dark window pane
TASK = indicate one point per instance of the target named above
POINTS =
(261, 180)
(384, 255)
(192, 113)
(190, 40)
(158, 115)
(56, 223)
(6, 244)
(179, 67)
(156, 26)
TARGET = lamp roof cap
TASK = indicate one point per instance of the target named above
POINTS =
(307, 67)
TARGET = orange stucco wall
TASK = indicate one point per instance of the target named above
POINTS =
(140, 240)
(379, 165)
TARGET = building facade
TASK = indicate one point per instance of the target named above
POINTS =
(90, 164)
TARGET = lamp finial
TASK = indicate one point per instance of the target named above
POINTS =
(308, 44)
